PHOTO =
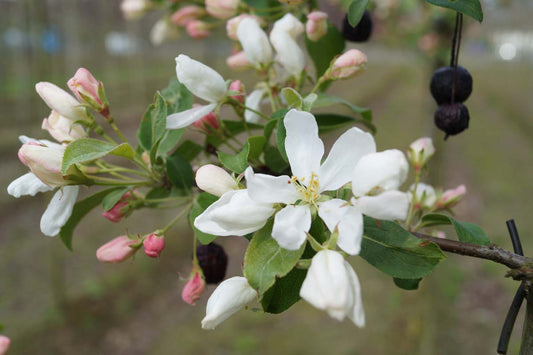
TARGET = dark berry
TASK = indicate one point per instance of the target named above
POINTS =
(441, 85)
(213, 261)
(452, 118)
(359, 33)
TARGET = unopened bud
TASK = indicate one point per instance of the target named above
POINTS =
(222, 9)
(117, 250)
(198, 29)
(420, 151)
(238, 61)
(425, 195)
(134, 9)
(187, 14)
(233, 24)
(162, 31)
(121, 209)
(44, 162)
(61, 101)
(451, 197)
(5, 342)
(347, 65)
(62, 128)
(208, 122)
(87, 89)
(317, 25)
(154, 245)
(213, 260)
(215, 180)
(194, 288)
(237, 86)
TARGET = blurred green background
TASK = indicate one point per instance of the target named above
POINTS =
(53, 301)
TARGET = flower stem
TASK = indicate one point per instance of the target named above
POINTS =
(176, 219)
(413, 200)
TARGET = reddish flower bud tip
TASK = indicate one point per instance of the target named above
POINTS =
(239, 87)
(121, 209)
(194, 288)
(207, 122)
(87, 89)
(198, 29)
(153, 245)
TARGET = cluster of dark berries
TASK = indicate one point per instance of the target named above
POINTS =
(359, 33)
(213, 261)
(452, 116)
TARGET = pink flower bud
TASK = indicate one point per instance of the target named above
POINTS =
(85, 87)
(233, 24)
(222, 9)
(317, 25)
(238, 86)
(347, 65)
(44, 162)
(186, 14)
(451, 197)
(121, 209)
(4, 344)
(154, 245)
(193, 288)
(62, 128)
(117, 250)
(420, 151)
(238, 61)
(207, 122)
(198, 29)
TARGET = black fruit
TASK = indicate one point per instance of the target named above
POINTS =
(441, 85)
(452, 118)
(213, 261)
(359, 33)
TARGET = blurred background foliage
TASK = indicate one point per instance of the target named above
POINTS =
(53, 301)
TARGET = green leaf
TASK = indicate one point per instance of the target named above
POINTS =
(269, 127)
(80, 210)
(239, 162)
(355, 11)
(144, 134)
(275, 161)
(87, 149)
(284, 293)
(324, 100)
(309, 101)
(396, 252)
(179, 171)
(466, 232)
(201, 203)
(325, 49)
(262, 6)
(265, 261)
(233, 128)
(189, 150)
(280, 139)
(329, 121)
(407, 284)
(177, 97)
(113, 197)
(169, 141)
(159, 118)
(470, 8)
(293, 98)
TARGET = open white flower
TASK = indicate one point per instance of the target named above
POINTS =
(60, 207)
(332, 285)
(204, 83)
(229, 297)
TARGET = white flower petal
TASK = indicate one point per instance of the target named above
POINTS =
(27, 184)
(327, 284)
(340, 214)
(201, 80)
(215, 180)
(185, 118)
(389, 205)
(356, 313)
(61, 101)
(379, 172)
(302, 144)
(229, 297)
(288, 24)
(253, 101)
(59, 210)
(338, 167)
(291, 225)
(270, 189)
(289, 54)
(235, 213)
(254, 42)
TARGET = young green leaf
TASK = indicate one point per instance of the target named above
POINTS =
(470, 8)
(356, 10)
(466, 232)
(265, 261)
(396, 252)
(113, 197)
(179, 171)
(239, 162)
(293, 98)
(189, 150)
(87, 149)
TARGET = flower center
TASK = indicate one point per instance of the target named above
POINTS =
(309, 193)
